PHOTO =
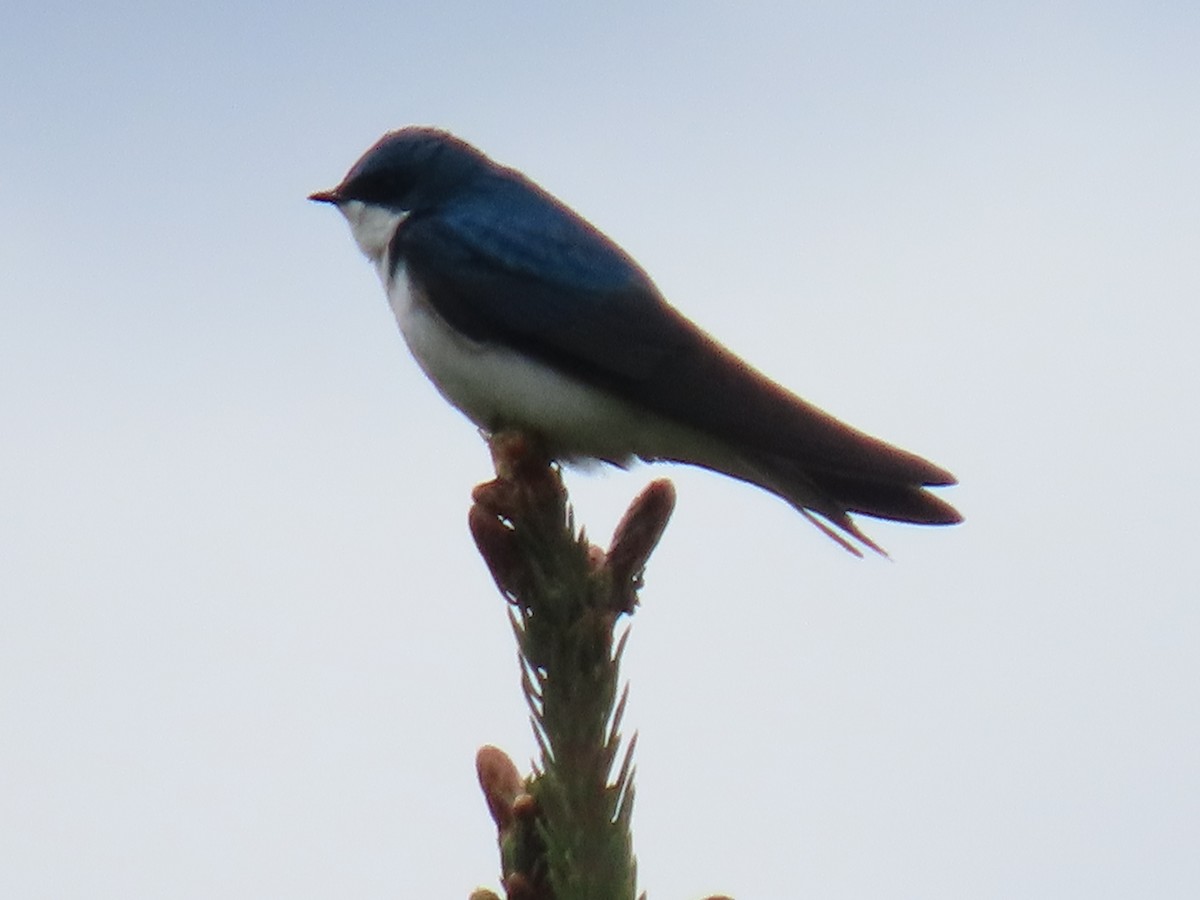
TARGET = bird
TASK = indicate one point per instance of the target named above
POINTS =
(525, 316)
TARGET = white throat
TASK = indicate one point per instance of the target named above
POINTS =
(372, 226)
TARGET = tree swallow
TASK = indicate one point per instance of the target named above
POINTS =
(525, 316)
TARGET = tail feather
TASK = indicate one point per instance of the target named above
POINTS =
(828, 498)
(846, 524)
(887, 500)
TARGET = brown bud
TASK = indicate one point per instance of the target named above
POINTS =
(499, 548)
(498, 496)
(501, 782)
(636, 536)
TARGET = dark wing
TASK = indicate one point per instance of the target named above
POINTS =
(521, 268)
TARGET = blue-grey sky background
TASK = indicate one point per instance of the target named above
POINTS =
(248, 649)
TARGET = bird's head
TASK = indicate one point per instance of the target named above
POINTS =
(407, 170)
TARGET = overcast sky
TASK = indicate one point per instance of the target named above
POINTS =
(248, 649)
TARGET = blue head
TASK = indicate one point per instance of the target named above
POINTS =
(413, 168)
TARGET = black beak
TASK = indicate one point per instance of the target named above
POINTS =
(329, 196)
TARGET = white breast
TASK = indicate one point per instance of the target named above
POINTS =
(498, 388)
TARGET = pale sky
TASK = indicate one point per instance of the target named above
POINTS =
(248, 648)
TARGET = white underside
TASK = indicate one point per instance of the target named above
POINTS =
(500, 388)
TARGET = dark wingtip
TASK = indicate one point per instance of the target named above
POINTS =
(953, 517)
(926, 509)
(938, 477)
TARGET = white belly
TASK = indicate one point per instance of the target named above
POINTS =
(498, 388)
